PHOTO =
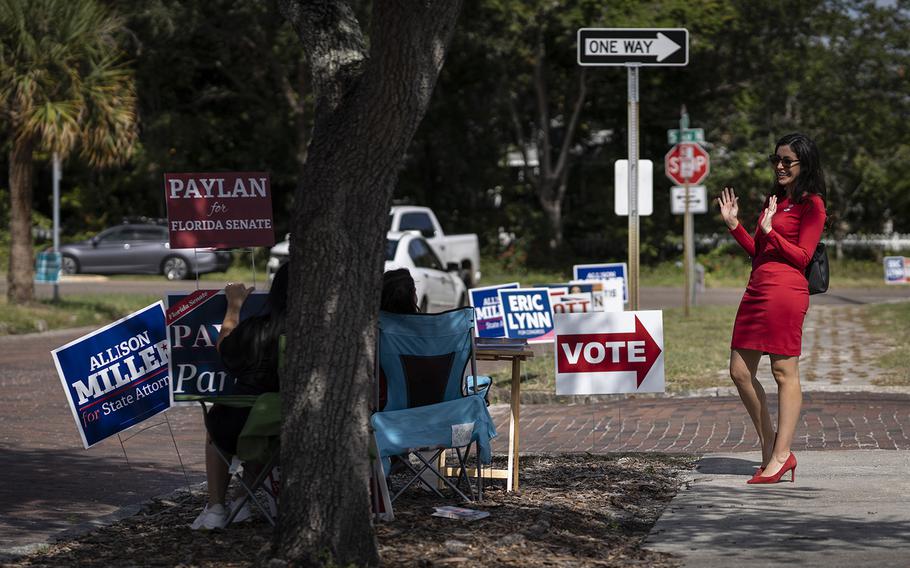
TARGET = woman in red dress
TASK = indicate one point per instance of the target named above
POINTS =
(770, 316)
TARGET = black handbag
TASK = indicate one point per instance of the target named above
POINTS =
(817, 270)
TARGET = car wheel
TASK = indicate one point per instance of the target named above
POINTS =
(423, 305)
(69, 265)
(463, 300)
(175, 268)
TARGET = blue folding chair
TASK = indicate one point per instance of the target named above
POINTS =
(423, 358)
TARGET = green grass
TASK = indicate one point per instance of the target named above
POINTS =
(71, 311)
(697, 353)
(722, 270)
(891, 322)
(233, 274)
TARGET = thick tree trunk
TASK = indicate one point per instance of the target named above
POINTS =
(21, 272)
(367, 111)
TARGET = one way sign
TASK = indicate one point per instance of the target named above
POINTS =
(620, 46)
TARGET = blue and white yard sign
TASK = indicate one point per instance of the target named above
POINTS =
(487, 311)
(195, 363)
(527, 314)
(896, 270)
(604, 271)
(117, 376)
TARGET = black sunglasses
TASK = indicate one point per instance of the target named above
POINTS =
(786, 161)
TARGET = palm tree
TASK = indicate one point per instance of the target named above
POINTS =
(63, 86)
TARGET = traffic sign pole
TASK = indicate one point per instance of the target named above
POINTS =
(633, 48)
(633, 185)
(687, 218)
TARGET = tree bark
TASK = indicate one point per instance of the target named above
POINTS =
(367, 110)
(21, 272)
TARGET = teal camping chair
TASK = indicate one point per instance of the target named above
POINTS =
(423, 359)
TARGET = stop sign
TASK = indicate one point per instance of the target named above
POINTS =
(687, 163)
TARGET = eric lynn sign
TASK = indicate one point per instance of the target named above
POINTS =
(220, 210)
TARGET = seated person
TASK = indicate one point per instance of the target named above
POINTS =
(249, 350)
(399, 293)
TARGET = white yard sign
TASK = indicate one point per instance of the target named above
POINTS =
(606, 353)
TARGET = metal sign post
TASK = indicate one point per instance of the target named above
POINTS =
(633, 48)
(56, 181)
(633, 185)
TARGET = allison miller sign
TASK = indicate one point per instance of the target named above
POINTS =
(220, 210)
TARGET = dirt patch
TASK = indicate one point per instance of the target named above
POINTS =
(573, 510)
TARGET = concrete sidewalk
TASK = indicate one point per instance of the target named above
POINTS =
(846, 508)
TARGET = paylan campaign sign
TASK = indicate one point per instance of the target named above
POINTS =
(605, 353)
(117, 376)
(527, 314)
(220, 210)
(193, 325)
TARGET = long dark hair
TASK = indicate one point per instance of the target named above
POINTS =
(267, 327)
(811, 178)
(398, 292)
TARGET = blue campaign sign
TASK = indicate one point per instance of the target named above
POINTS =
(487, 311)
(195, 365)
(896, 270)
(527, 314)
(604, 271)
(117, 376)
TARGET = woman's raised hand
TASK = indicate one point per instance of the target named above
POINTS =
(236, 294)
(770, 210)
(729, 207)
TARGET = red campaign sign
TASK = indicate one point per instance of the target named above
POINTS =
(687, 163)
(219, 210)
(608, 352)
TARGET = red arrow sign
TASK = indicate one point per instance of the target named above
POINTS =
(608, 352)
(687, 163)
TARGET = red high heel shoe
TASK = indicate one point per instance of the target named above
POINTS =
(789, 465)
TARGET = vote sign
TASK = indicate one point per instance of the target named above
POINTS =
(117, 376)
(527, 314)
(646, 47)
(606, 353)
(687, 163)
(221, 210)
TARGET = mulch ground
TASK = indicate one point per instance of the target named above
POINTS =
(572, 510)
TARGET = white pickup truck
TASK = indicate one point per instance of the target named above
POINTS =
(463, 250)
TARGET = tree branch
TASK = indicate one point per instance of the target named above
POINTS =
(573, 123)
(543, 118)
(334, 44)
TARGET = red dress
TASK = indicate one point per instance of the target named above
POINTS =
(770, 316)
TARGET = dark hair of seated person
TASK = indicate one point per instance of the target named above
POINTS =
(399, 293)
(250, 352)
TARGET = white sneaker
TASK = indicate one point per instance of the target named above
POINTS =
(211, 517)
(244, 514)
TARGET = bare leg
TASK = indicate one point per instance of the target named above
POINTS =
(743, 367)
(216, 473)
(790, 401)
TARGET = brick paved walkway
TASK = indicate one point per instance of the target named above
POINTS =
(53, 484)
(830, 421)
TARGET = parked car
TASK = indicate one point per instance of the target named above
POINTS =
(463, 250)
(139, 249)
(439, 287)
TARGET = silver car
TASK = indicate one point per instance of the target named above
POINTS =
(139, 249)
